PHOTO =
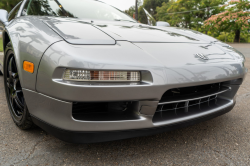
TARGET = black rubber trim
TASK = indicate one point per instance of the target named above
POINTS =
(234, 82)
(94, 137)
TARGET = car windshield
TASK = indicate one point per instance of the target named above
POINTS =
(84, 9)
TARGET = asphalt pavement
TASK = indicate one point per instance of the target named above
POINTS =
(222, 141)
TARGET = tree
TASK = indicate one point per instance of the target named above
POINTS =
(177, 13)
(131, 10)
(188, 13)
(207, 8)
(8, 4)
(151, 5)
(211, 7)
(142, 17)
(236, 18)
(166, 13)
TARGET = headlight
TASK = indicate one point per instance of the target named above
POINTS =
(102, 76)
(237, 54)
(232, 51)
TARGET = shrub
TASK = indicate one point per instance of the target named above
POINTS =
(1, 45)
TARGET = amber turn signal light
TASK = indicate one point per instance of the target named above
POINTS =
(28, 66)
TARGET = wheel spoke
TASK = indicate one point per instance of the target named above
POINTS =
(19, 105)
(11, 67)
(18, 101)
(11, 100)
(19, 113)
(15, 83)
(14, 75)
(8, 83)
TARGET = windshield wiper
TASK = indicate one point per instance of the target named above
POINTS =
(124, 20)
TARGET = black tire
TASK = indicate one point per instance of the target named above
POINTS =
(14, 95)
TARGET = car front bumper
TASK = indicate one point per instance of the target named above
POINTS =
(104, 136)
(52, 104)
(55, 116)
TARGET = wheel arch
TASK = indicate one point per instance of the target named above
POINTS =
(14, 93)
(6, 40)
(7, 45)
(29, 38)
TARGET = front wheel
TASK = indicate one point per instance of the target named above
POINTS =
(14, 94)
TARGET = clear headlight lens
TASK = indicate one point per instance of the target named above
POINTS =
(232, 51)
(237, 54)
(102, 76)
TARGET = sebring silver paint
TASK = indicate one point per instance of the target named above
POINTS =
(30, 38)
(163, 60)
(162, 24)
(165, 55)
(59, 114)
(82, 33)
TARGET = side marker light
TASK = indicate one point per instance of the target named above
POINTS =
(28, 66)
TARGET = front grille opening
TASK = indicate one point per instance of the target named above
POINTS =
(213, 97)
(204, 100)
(105, 111)
(191, 92)
(181, 105)
(194, 102)
(175, 114)
(169, 106)
(184, 102)
(176, 106)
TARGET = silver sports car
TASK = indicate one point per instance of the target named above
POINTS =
(85, 71)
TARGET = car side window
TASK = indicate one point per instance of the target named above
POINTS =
(14, 12)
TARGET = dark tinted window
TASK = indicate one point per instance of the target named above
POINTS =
(86, 9)
(14, 12)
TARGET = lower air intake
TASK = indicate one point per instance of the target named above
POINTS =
(104, 111)
(186, 103)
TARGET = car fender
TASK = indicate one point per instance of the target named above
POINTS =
(29, 38)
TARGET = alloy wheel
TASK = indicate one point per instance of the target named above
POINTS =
(14, 89)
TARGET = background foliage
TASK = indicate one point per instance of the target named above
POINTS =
(236, 18)
(225, 21)
(8, 4)
(149, 5)
(1, 45)
(189, 13)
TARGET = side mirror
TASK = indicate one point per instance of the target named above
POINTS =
(3, 17)
(162, 24)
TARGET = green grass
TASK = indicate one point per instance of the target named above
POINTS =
(1, 45)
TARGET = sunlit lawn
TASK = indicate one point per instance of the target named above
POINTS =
(1, 45)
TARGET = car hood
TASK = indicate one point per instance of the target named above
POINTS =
(140, 33)
(179, 55)
(77, 31)
(158, 42)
